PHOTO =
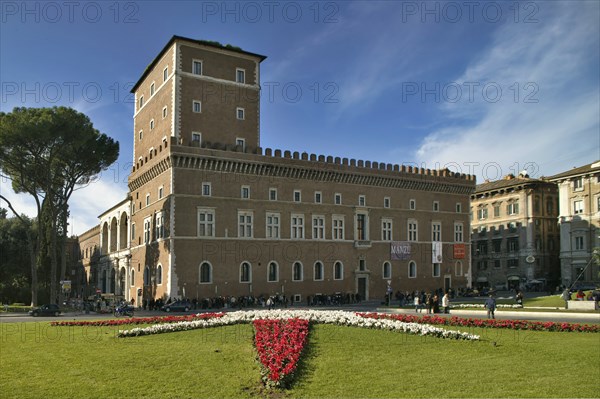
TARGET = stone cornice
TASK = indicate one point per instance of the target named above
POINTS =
(317, 171)
(150, 174)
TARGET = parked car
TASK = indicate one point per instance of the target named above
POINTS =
(177, 306)
(45, 310)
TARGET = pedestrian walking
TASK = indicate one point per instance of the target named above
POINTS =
(490, 305)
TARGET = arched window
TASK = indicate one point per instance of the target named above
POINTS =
(132, 281)
(297, 272)
(273, 272)
(412, 269)
(338, 271)
(387, 270)
(458, 268)
(318, 271)
(205, 273)
(245, 272)
(159, 275)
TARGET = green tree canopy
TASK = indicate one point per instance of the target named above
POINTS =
(47, 153)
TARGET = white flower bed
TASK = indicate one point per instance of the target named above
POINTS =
(482, 306)
(337, 317)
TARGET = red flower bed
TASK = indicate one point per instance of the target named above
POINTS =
(491, 323)
(138, 320)
(279, 344)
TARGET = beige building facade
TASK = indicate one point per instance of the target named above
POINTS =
(515, 237)
(212, 213)
(579, 221)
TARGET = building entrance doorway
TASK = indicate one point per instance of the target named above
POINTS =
(447, 283)
(361, 288)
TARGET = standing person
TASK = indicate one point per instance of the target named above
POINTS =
(490, 305)
(446, 303)
(429, 302)
(520, 298)
(417, 302)
(436, 304)
(566, 296)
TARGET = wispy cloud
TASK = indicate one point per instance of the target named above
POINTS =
(555, 114)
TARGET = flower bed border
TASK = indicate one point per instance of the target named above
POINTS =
(138, 320)
(336, 317)
(456, 321)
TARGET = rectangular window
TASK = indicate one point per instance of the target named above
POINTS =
(337, 227)
(458, 232)
(141, 102)
(240, 75)
(297, 231)
(197, 106)
(206, 189)
(497, 264)
(362, 200)
(436, 270)
(338, 199)
(147, 230)
(412, 230)
(512, 244)
(132, 231)
(386, 202)
(147, 199)
(245, 224)
(318, 227)
(241, 143)
(160, 192)
(159, 229)
(577, 207)
(482, 213)
(386, 229)
(496, 211)
(436, 206)
(578, 184)
(436, 231)
(164, 112)
(579, 243)
(297, 195)
(361, 227)
(512, 208)
(272, 194)
(141, 134)
(206, 223)
(458, 207)
(412, 204)
(152, 89)
(318, 197)
(196, 138)
(240, 113)
(165, 74)
(273, 223)
(497, 246)
(197, 67)
(152, 124)
(245, 193)
(598, 204)
(512, 263)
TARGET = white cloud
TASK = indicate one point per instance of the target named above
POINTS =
(552, 135)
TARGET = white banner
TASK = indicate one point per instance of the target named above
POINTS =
(436, 252)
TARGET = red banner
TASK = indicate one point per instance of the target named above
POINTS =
(459, 251)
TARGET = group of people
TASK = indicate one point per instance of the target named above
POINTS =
(431, 302)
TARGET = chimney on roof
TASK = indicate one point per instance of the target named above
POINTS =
(510, 176)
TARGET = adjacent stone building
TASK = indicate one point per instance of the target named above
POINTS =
(579, 220)
(515, 237)
(211, 213)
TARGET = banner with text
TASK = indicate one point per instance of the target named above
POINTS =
(459, 251)
(400, 250)
(436, 252)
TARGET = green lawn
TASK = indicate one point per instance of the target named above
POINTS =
(38, 361)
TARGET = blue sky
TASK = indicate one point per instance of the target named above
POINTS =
(487, 88)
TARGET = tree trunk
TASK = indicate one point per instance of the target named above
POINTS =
(34, 279)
